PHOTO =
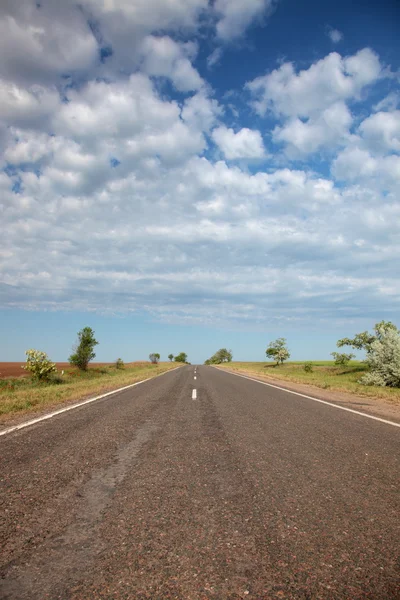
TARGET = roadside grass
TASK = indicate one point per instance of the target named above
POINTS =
(23, 395)
(324, 374)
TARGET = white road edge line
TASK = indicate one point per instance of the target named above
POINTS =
(356, 412)
(63, 410)
(194, 394)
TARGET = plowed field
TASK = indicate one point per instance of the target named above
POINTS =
(13, 369)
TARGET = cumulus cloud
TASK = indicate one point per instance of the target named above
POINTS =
(40, 42)
(235, 15)
(358, 164)
(129, 120)
(246, 143)
(327, 129)
(30, 107)
(162, 56)
(329, 80)
(312, 103)
(201, 112)
(381, 131)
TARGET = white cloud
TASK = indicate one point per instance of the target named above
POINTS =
(126, 116)
(30, 107)
(201, 112)
(162, 56)
(381, 131)
(335, 35)
(214, 58)
(358, 164)
(235, 15)
(328, 129)
(246, 143)
(390, 102)
(329, 80)
(39, 42)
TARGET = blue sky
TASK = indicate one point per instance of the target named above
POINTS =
(187, 175)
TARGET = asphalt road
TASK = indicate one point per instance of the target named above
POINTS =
(243, 492)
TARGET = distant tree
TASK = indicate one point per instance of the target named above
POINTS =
(278, 351)
(222, 355)
(383, 359)
(364, 340)
(83, 352)
(181, 357)
(171, 357)
(341, 358)
(119, 364)
(39, 365)
(154, 358)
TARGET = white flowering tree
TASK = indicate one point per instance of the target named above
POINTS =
(384, 360)
(39, 365)
(278, 351)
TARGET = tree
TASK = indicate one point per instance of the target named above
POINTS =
(278, 351)
(222, 355)
(364, 340)
(119, 364)
(384, 360)
(181, 357)
(39, 365)
(341, 358)
(171, 357)
(83, 351)
(154, 358)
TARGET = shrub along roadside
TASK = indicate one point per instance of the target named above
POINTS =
(24, 395)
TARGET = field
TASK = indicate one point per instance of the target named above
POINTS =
(324, 375)
(19, 394)
(14, 369)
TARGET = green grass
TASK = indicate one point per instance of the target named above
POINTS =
(23, 395)
(325, 375)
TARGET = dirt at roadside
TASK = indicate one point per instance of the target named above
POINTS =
(374, 406)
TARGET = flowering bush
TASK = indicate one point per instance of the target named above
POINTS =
(39, 365)
(384, 361)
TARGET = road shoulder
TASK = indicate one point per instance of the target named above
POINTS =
(373, 406)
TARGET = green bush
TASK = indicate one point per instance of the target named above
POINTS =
(308, 367)
(119, 364)
(341, 358)
(56, 379)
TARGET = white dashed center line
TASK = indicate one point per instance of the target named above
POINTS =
(194, 394)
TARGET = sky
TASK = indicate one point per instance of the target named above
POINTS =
(186, 175)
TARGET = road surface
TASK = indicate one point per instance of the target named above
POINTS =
(234, 490)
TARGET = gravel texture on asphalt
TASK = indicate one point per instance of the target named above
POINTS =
(245, 492)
